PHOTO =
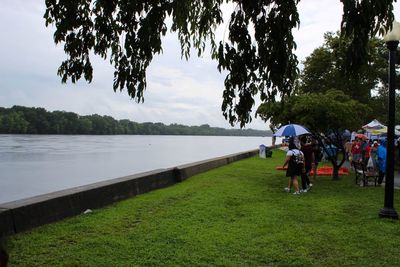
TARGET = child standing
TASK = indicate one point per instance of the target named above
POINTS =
(295, 162)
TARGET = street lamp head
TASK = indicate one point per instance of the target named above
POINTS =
(394, 34)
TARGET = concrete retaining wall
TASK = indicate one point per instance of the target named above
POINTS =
(27, 213)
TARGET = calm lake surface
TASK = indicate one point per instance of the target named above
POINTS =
(37, 164)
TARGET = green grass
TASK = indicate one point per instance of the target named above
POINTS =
(237, 215)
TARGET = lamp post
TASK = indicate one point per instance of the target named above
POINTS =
(392, 40)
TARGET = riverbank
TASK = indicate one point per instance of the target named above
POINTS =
(236, 215)
(31, 120)
(20, 215)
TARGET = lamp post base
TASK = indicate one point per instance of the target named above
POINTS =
(388, 213)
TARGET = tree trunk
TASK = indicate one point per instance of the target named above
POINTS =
(334, 159)
(335, 173)
(3, 254)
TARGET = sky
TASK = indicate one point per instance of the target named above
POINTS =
(178, 91)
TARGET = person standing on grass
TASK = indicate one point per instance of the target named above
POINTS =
(295, 161)
(381, 161)
(347, 149)
(364, 147)
(309, 161)
(373, 155)
(367, 153)
(356, 150)
(317, 156)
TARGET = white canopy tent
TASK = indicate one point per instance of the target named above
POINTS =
(373, 125)
(374, 129)
(382, 131)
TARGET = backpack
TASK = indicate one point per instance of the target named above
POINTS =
(298, 159)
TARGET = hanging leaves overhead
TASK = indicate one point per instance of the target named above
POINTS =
(361, 20)
(258, 53)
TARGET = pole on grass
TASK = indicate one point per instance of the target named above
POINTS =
(392, 40)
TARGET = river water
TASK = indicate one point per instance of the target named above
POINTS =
(31, 165)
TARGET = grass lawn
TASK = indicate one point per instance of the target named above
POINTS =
(237, 215)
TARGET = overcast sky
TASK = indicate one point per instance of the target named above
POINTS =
(178, 91)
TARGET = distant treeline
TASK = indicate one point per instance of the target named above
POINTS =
(26, 120)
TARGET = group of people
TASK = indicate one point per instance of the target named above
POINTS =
(371, 153)
(302, 156)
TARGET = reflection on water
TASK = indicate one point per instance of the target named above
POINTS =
(37, 164)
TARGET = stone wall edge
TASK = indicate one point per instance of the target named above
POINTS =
(21, 215)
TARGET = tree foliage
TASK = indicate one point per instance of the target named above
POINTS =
(361, 20)
(25, 120)
(379, 105)
(258, 55)
(324, 69)
(320, 112)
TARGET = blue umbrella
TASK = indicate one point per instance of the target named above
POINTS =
(292, 130)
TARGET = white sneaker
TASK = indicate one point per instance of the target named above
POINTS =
(287, 189)
(296, 193)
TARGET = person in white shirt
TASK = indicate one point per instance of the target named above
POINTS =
(295, 161)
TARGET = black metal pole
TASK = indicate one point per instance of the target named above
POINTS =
(388, 210)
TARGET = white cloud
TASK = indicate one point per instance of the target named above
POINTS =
(316, 18)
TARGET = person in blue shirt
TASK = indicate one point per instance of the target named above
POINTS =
(381, 161)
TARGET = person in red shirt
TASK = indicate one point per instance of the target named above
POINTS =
(367, 152)
(356, 150)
